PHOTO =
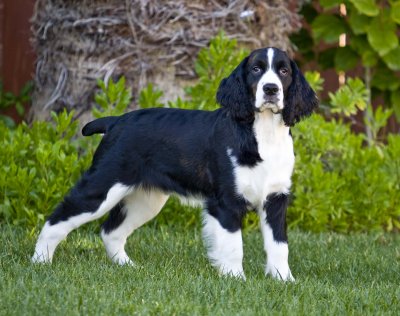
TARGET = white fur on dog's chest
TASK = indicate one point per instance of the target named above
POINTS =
(273, 174)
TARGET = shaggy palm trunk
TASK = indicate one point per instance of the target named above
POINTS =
(80, 41)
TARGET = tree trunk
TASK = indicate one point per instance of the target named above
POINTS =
(80, 41)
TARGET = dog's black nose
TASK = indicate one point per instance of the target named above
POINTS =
(270, 89)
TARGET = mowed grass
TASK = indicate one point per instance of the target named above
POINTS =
(335, 275)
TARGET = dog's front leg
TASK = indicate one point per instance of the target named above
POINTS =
(273, 228)
(225, 246)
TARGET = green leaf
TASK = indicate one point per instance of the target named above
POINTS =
(369, 58)
(349, 98)
(392, 59)
(361, 46)
(303, 41)
(26, 89)
(102, 85)
(8, 121)
(384, 79)
(382, 34)
(328, 28)
(308, 12)
(326, 58)
(150, 97)
(112, 92)
(101, 100)
(121, 84)
(367, 7)
(315, 80)
(327, 4)
(395, 101)
(113, 100)
(345, 59)
(359, 23)
(375, 120)
(20, 108)
(395, 12)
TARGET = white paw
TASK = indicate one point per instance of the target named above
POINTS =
(236, 272)
(280, 273)
(122, 260)
(40, 257)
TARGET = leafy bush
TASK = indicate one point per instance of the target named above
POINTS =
(212, 65)
(371, 29)
(340, 184)
(113, 98)
(38, 165)
(8, 100)
(150, 98)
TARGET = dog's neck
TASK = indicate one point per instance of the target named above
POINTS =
(269, 127)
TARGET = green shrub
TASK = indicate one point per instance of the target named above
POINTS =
(371, 29)
(150, 97)
(38, 165)
(113, 98)
(213, 64)
(339, 183)
(9, 100)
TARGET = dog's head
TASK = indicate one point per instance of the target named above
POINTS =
(267, 80)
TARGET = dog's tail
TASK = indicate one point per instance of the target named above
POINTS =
(99, 126)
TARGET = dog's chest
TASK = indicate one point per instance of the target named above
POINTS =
(273, 174)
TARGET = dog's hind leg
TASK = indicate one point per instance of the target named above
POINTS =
(138, 208)
(76, 210)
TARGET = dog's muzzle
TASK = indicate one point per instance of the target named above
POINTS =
(271, 98)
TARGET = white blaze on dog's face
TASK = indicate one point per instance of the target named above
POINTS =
(270, 75)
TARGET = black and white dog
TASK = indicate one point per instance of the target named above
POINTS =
(232, 160)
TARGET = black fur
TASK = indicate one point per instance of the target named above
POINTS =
(300, 101)
(275, 206)
(234, 95)
(116, 217)
(99, 126)
(174, 150)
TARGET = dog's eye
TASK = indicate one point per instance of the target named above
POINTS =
(284, 71)
(256, 69)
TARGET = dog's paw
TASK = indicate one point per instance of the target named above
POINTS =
(122, 260)
(40, 258)
(232, 272)
(280, 273)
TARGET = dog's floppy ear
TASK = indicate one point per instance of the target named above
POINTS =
(234, 95)
(300, 101)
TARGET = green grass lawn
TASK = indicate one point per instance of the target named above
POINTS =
(335, 275)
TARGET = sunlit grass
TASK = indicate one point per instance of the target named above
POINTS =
(335, 275)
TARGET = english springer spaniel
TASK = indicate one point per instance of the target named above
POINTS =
(232, 160)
